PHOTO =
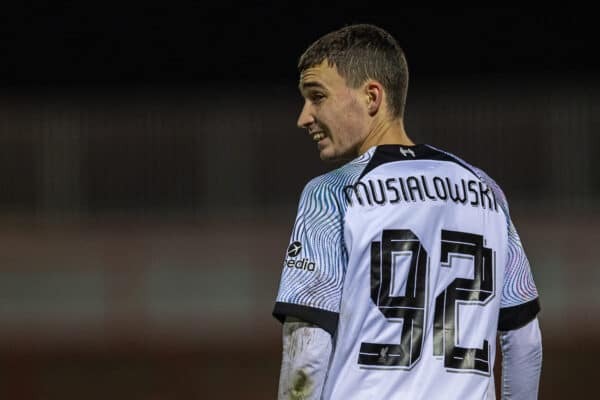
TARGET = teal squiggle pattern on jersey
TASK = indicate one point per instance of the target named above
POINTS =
(519, 286)
(319, 227)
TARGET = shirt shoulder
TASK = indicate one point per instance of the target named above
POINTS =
(330, 186)
(480, 174)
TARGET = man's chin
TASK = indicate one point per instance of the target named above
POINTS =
(332, 157)
(327, 156)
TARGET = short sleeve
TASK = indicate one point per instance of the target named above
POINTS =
(519, 303)
(314, 262)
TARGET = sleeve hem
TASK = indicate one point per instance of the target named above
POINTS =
(328, 320)
(515, 317)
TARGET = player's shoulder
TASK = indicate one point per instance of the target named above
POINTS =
(477, 172)
(333, 182)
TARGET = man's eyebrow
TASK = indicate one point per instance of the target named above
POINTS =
(310, 84)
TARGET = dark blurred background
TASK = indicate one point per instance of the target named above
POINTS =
(150, 169)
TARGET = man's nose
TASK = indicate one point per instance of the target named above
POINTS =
(305, 119)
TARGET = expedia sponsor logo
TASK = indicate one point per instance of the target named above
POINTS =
(303, 264)
(294, 249)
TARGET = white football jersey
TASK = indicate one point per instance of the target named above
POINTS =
(408, 257)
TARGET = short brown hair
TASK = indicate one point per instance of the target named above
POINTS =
(361, 52)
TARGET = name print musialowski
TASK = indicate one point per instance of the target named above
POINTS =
(420, 188)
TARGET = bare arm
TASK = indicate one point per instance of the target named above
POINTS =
(521, 362)
(306, 353)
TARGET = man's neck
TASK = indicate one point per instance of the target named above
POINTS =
(386, 132)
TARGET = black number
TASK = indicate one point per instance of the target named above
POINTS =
(410, 307)
(461, 291)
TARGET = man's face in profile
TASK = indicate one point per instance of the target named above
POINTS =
(334, 114)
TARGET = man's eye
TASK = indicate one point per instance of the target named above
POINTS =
(316, 97)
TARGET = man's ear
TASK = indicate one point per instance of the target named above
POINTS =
(374, 93)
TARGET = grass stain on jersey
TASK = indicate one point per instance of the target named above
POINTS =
(301, 387)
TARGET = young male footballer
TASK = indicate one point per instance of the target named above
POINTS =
(403, 264)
